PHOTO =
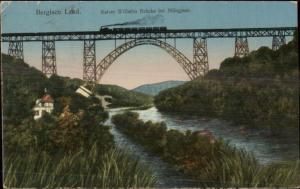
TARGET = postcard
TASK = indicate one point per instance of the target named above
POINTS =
(150, 94)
